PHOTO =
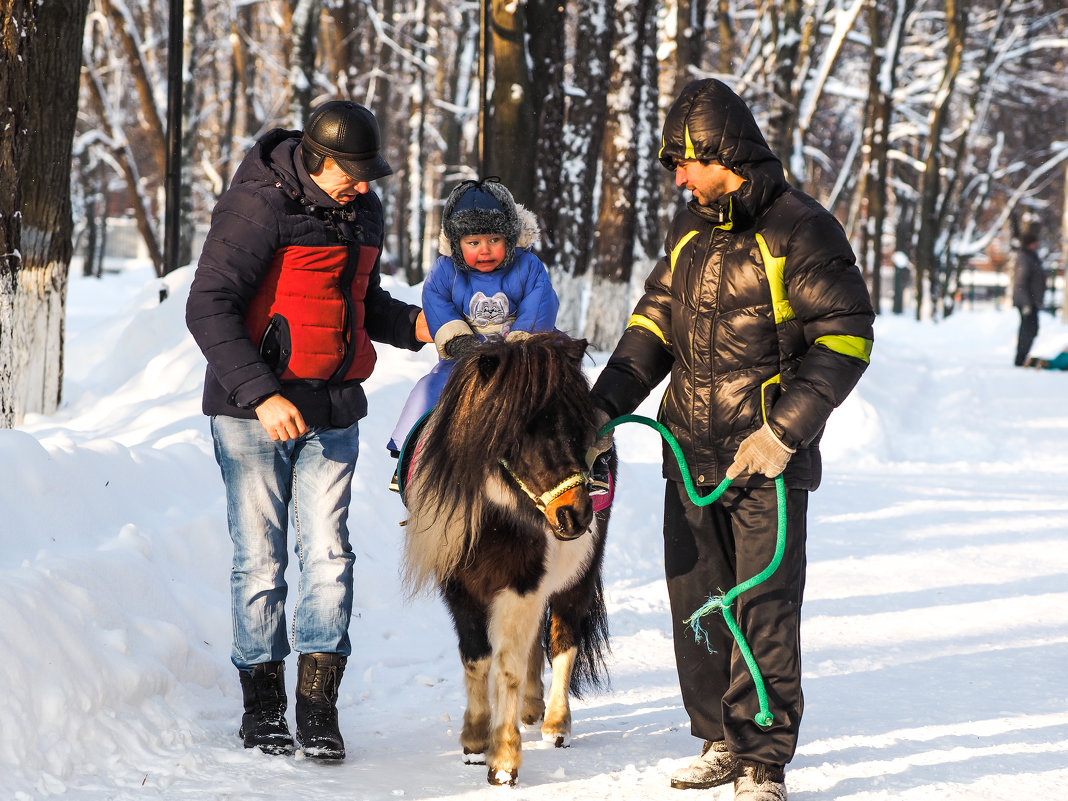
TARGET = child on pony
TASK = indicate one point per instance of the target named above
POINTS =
(487, 284)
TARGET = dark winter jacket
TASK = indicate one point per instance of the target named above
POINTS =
(287, 295)
(756, 310)
(1028, 280)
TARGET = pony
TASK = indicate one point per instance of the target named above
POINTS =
(501, 524)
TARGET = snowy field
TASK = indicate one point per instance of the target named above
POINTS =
(936, 615)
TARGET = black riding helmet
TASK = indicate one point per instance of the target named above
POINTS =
(348, 133)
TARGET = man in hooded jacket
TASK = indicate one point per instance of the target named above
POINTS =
(760, 318)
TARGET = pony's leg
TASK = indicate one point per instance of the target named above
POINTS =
(475, 734)
(534, 685)
(469, 617)
(556, 728)
(514, 624)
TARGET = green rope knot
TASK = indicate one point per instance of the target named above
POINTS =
(722, 603)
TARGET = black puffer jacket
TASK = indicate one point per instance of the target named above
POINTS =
(287, 295)
(757, 309)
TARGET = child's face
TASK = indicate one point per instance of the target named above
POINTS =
(484, 252)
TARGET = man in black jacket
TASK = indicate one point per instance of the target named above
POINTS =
(285, 302)
(760, 317)
(1028, 293)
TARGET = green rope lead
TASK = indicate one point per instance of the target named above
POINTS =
(722, 603)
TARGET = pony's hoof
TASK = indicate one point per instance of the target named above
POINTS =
(532, 716)
(558, 740)
(474, 757)
(503, 778)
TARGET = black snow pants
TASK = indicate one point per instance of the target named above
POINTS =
(707, 551)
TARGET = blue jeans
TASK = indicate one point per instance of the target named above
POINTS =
(309, 481)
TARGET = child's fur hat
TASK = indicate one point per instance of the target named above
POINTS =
(484, 207)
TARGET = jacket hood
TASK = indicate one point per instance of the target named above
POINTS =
(276, 159)
(709, 122)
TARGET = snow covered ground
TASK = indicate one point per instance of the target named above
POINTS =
(935, 633)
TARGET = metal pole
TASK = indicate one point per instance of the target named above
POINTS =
(483, 80)
(173, 180)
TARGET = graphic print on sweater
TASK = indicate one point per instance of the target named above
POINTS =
(486, 311)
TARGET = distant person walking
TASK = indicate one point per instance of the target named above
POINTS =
(1028, 291)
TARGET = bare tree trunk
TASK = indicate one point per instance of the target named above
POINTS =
(690, 40)
(417, 169)
(510, 134)
(127, 165)
(193, 22)
(152, 124)
(931, 193)
(1064, 248)
(302, 66)
(614, 237)
(33, 288)
(886, 28)
(547, 19)
(787, 19)
(18, 28)
(581, 143)
(726, 46)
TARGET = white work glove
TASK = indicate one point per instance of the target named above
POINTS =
(760, 452)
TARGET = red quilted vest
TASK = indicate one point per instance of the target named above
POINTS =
(314, 301)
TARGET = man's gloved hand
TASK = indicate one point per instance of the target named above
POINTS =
(602, 444)
(458, 347)
(518, 335)
(760, 452)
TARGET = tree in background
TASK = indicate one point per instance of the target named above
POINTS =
(925, 125)
(41, 60)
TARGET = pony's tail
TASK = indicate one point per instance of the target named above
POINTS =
(590, 670)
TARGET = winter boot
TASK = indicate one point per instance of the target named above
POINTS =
(318, 677)
(760, 782)
(263, 725)
(714, 767)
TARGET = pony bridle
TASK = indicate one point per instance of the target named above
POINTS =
(543, 501)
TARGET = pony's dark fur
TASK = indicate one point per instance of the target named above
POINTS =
(473, 533)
